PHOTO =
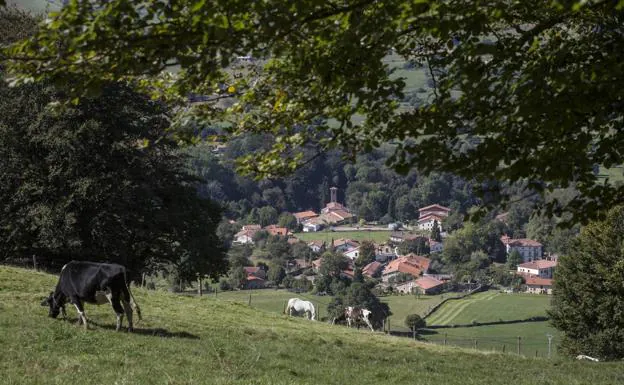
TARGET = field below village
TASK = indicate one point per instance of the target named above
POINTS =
(192, 340)
(327, 236)
(487, 307)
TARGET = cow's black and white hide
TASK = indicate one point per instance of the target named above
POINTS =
(95, 283)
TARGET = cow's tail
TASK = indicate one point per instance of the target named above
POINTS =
(133, 301)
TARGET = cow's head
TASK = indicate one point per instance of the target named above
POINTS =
(54, 306)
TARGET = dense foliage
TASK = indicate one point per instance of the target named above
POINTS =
(588, 291)
(80, 184)
(524, 91)
(98, 180)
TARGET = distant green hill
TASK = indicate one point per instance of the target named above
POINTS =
(189, 340)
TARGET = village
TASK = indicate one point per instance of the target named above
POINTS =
(393, 271)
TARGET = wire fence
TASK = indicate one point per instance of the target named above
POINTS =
(534, 346)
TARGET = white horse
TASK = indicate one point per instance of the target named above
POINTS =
(296, 305)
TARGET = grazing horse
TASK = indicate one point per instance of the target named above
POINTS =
(296, 305)
(355, 314)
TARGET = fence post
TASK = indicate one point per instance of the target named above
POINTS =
(383, 325)
(536, 353)
(35, 262)
(414, 333)
(199, 285)
(475, 344)
(503, 348)
(519, 338)
(249, 303)
(445, 335)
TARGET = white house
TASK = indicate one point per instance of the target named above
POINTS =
(430, 214)
(541, 268)
(245, 236)
(529, 249)
(352, 253)
(316, 246)
(536, 285)
(312, 225)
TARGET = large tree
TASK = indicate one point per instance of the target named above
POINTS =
(80, 183)
(588, 291)
(522, 90)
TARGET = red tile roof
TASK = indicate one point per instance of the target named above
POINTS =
(536, 281)
(342, 213)
(254, 278)
(334, 205)
(275, 230)
(429, 217)
(524, 242)
(539, 264)
(370, 269)
(435, 206)
(305, 214)
(409, 265)
(252, 269)
(421, 261)
(428, 282)
(344, 241)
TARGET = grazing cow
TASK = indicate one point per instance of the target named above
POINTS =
(96, 283)
(356, 314)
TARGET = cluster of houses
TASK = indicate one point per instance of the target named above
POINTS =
(247, 233)
(536, 269)
(404, 273)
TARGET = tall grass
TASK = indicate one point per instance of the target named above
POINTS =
(191, 340)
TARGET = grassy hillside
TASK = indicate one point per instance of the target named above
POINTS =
(186, 340)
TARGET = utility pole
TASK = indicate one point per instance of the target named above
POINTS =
(549, 343)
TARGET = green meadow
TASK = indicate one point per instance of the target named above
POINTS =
(193, 340)
(327, 236)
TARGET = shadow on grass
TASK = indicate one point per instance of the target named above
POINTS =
(152, 332)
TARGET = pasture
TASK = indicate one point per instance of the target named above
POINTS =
(403, 305)
(274, 301)
(192, 340)
(493, 306)
(327, 236)
(490, 306)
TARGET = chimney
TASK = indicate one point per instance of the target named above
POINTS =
(333, 193)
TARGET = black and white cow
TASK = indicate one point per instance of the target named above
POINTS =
(357, 314)
(96, 283)
(354, 315)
